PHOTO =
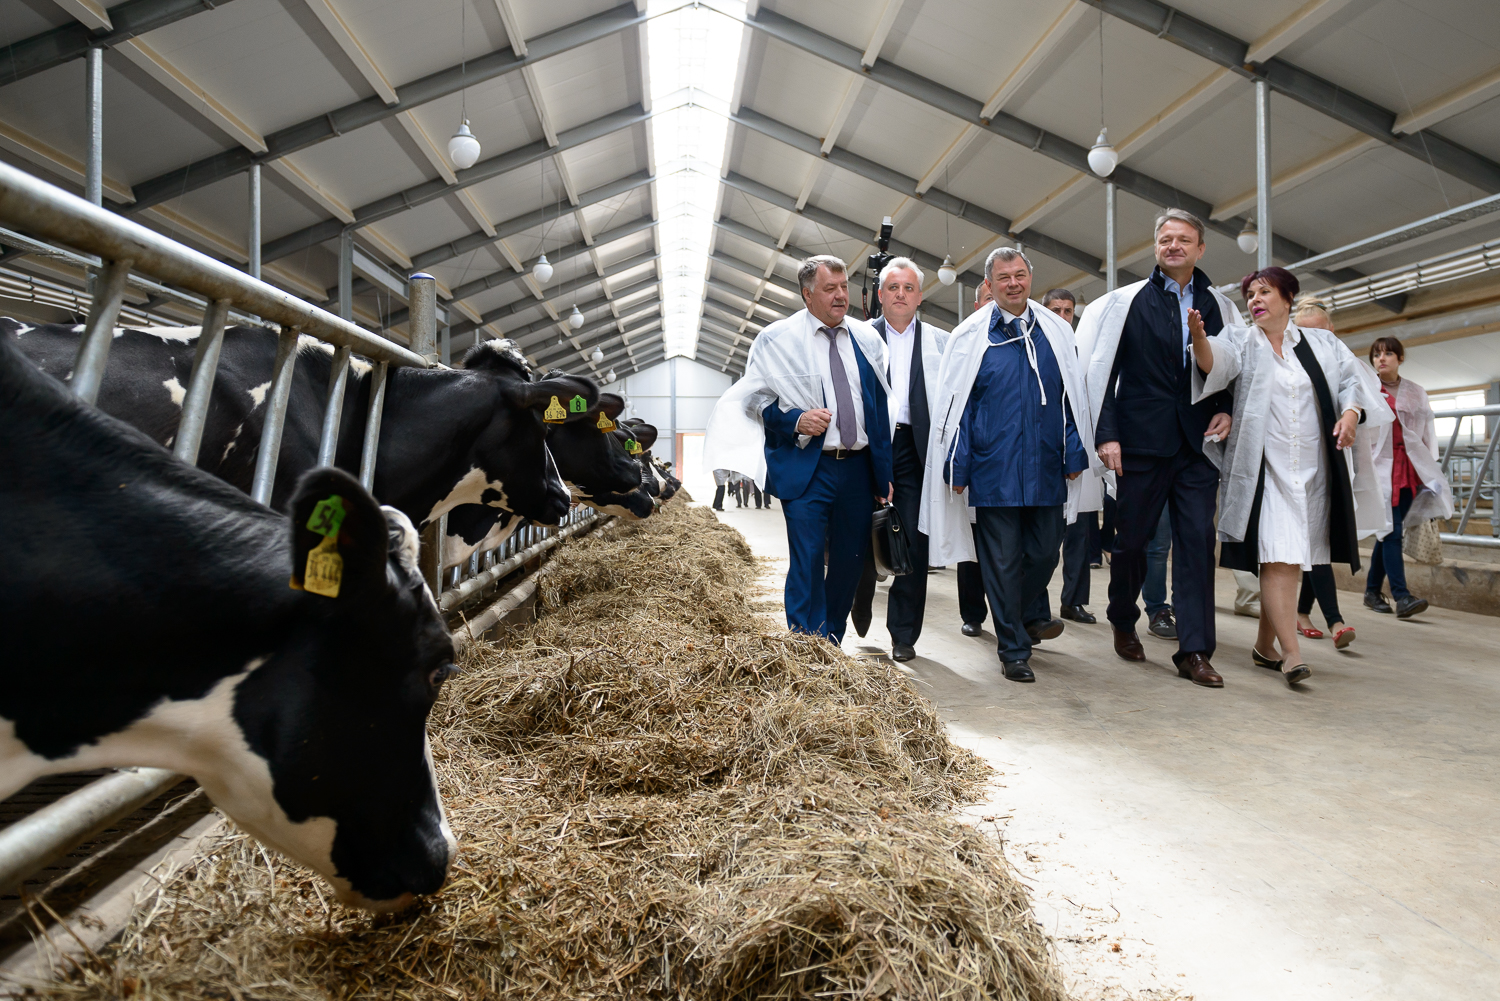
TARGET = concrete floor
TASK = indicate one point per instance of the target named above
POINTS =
(1256, 842)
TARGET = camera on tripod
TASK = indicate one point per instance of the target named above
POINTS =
(874, 265)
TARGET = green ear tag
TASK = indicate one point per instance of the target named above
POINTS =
(633, 447)
(328, 516)
(578, 405)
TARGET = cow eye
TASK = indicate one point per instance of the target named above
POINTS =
(440, 674)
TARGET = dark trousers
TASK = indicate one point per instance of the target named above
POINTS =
(1187, 484)
(1018, 550)
(1386, 561)
(1154, 590)
(1096, 538)
(832, 516)
(908, 598)
(1318, 582)
(1075, 544)
(719, 497)
(971, 601)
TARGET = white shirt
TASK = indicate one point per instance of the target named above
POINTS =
(1184, 304)
(830, 397)
(899, 346)
(1294, 507)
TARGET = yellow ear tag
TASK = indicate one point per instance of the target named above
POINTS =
(605, 424)
(555, 413)
(633, 447)
(325, 569)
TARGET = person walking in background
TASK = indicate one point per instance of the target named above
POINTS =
(1151, 434)
(721, 480)
(1288, 502)
(1160, 621)
(1004, 444)
(914, 352)
(1411, 481)
(1318, 583)
(973, 607)
(1078, 536)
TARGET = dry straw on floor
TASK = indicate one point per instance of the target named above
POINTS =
(658, 795)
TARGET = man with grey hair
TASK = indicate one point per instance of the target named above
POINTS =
(1006, 447)
(1161, 446)
(814, 397)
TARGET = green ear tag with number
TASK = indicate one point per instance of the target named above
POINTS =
(578, 405)
(633, 447)
(328, 516)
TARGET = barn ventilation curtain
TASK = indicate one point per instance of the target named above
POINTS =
(692, 54)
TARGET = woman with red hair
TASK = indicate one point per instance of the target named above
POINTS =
(1287, 491)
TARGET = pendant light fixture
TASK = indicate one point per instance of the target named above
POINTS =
(1249, 238)
(597, 355)
(575, 318)
(463, 148)
(542, 270)
(947, 273)
(1103, 158)
(609, 376)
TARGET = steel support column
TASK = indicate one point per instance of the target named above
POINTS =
(93, 168)
(252, 241)
(1263, 172)
(1111, 253)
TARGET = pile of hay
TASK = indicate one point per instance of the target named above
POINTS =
(657, 794)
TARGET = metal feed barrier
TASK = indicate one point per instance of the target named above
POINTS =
(1472, 472)
(126, 250)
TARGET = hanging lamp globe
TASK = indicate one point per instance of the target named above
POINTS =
(609, 376)
(542, 270)
(1102, 156)
(947, 273)
(463, 148)
(575, 318)
(1249, 238)
(597, 355)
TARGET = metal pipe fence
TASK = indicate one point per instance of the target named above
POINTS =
(1472, 472)
(42, 212)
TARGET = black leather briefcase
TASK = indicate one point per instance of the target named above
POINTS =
(890, 543)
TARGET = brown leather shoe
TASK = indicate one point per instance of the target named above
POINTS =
(1128, 644)
(1196, 668)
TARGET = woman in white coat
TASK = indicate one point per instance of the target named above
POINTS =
(1286, 500)
(1406, 467)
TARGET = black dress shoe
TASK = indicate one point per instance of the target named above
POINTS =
(902, 652)
(1299, 673)
(973, 629)
(1410, 605)
(1017, 670)
(1044, 629)
(1163, 625)
(1078, 613)
(1375, 601)
(1261, 660)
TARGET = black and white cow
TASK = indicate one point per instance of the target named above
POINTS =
(151, 614)
(448, 437)
(592, 462)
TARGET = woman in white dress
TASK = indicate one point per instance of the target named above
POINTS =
(1287, 498)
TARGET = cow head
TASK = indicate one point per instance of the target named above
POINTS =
(512, 449)
(335, 718)
(591, 459)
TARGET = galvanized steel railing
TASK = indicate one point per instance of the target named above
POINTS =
(1472, 472)
(41, 211)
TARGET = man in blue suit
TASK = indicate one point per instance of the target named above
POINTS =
(828, 464)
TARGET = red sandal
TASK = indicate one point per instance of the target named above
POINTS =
(1311, 633)
(1343, 637)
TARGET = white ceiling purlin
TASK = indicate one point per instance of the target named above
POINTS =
(881, 33)
(31, 148)
(1291, 30)
(87, 12)
(343, 36)
(1035, 59)
(1298, 175)
(1456, 101)
(841, 114)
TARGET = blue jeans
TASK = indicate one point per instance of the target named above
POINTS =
(1386, 560)
(1154, 590)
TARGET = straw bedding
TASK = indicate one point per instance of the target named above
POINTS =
(657, 795)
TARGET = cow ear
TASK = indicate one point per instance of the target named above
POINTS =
(611, 405)
(645, 434)
(559, 400)
(339, 536)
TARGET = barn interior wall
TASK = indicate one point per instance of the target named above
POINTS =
(649, 393)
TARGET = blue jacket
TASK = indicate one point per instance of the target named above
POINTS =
(789, 469)
(1011, 451)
